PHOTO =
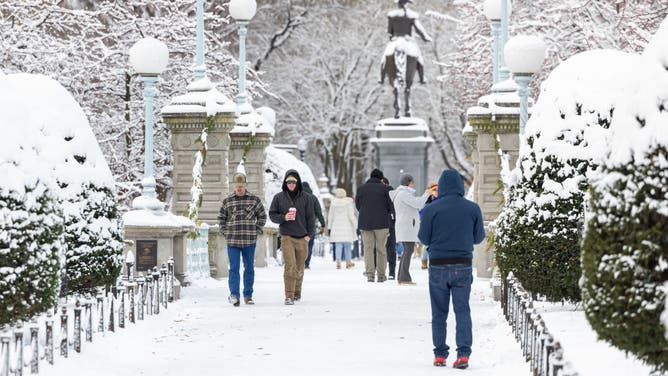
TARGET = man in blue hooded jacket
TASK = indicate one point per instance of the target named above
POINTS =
(450, 227)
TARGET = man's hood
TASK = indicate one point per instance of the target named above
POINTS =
(294, 174)
(450, 183)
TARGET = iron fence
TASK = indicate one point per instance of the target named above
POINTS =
(24, 346)
(541, 350)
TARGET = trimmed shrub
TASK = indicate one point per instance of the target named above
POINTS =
(94, 238)
(31, 247)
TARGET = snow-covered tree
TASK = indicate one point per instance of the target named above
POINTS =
(625, 257)
(539, 230)
(84, 44)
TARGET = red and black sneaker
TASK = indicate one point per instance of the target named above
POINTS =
(439, 361)
(461, 363)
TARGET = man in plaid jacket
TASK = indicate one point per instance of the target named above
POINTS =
(241, 219)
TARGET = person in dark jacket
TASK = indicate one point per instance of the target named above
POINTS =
(321, 219)
(292, 209)
(450, 226)
(375, 208)
(241, 220)
(391, 246)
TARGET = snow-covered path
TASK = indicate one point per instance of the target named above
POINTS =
(343, 326)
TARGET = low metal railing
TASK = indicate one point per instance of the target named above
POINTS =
(541, 350)
(25, 345)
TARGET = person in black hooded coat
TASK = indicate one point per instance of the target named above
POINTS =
(295, 229)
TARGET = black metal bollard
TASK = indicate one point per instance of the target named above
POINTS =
(48, 344)
(549, 349)
(121, 305)
(34, 345)
(163, 275)
(140, 297)
(5, 355)
(18, 349)
(156, 290)
(558, 364)
(149, 301)
(63, 332)
(77, 326)
(110, 326)
(131, 302)
(89, 321)
(100, 312)
(170, 275)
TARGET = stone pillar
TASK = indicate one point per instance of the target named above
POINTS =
(402, 147)
(493, 125)
(186, 117)
(254, 165)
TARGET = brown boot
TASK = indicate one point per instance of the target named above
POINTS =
(349, 264)
(425, 264)
(338, 264)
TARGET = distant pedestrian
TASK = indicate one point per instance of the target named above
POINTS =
(375, 207)
(342, 226)
(241, 218)
(292, 209)
(450, 227)
(319, 217)
(407, 205)
(391, 245)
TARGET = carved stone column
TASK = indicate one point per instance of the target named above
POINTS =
(493, 126)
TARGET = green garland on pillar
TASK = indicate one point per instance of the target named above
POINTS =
(192, 212)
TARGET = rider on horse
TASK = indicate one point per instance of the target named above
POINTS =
(402, 57)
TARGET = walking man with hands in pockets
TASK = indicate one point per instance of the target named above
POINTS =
(292, 209)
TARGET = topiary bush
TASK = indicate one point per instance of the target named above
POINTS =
(31, 247)
(625, 249)
(538, 233)
(94, 238)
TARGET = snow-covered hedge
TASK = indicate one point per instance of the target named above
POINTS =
(68, 154)
(94, 236)
(538, 233)
(625, 257)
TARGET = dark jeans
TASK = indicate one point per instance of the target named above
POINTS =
(444, 281)
(404, 274)
(391, 253)
(310, 252)
(248, 255)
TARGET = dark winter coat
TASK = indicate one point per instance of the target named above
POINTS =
(451, 225)
(304, 223)
(374, 205)
(316, 204)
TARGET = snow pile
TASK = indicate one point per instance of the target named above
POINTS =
(41, 115)
(276, 164)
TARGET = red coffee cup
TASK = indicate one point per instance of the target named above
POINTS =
(292, 212)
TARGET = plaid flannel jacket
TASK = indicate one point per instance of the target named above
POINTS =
(241, 219)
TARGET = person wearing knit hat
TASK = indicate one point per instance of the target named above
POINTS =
(375, 208)
(406, 205)
(241, 218)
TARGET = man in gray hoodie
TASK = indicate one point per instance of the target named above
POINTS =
(292, 209)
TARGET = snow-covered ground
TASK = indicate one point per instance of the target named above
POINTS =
(343, 326)
(586, 354)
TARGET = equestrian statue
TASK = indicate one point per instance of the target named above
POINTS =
(402, 57)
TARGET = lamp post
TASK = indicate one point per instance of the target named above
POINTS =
(497, 12)
(524, 55)
(242, 11)
(200, 68)
(302, 145)
(149, 58)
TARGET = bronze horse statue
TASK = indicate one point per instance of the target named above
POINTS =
(402, 57)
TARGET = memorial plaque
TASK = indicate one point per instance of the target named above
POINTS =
(147, 254)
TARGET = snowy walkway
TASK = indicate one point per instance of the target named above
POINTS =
(343, 326)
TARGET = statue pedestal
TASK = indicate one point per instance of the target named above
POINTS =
(402, 147)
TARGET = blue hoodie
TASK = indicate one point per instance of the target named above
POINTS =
(451, 225)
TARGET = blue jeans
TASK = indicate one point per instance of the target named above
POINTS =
(248, 255)
(444, 281)
(425, 253)
(343, 247)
